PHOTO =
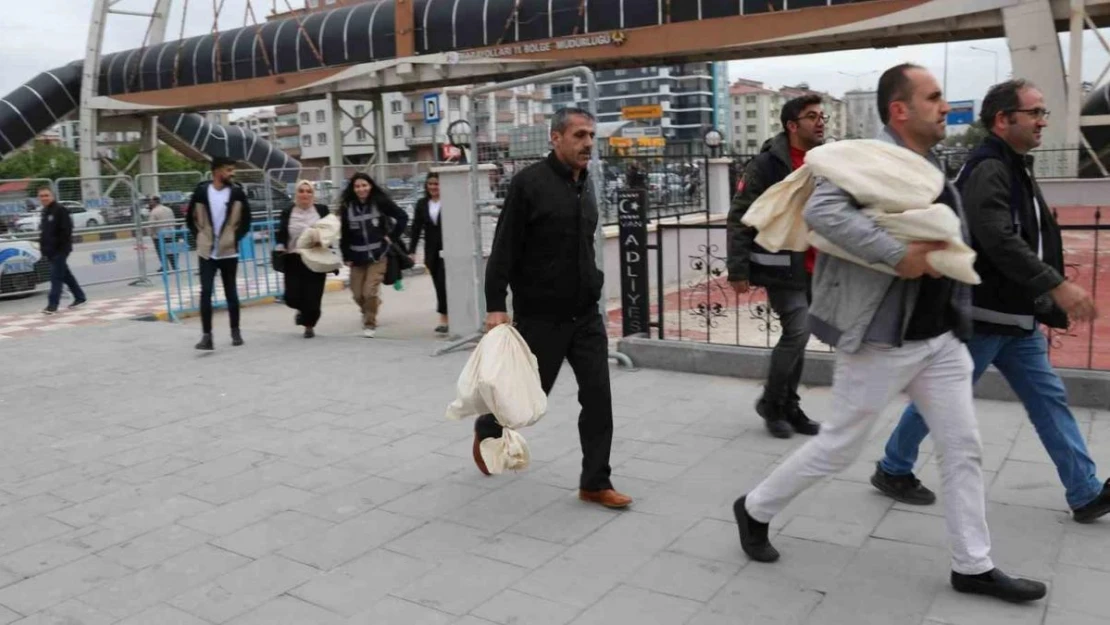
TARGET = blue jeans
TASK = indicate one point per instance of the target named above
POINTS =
(1023, 361)
(59, 275)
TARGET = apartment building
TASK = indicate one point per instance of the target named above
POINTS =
(755, 115)
(862, 114)
(262, 122)
(837, 126)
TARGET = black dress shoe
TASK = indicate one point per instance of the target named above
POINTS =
(236, 337)
(1097, 508)
(903, 488)
(798, 420)
(997, 584)
(309, 333)
(774, 418)
(753, 535)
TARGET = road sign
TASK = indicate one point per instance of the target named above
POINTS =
(646, 111)
(632, 231)
(431, 108)
(620, 142)
(103, 258)
(962, 113)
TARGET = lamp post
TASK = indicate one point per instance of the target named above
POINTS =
(458, 135)
(995, 53)
(713, 140)
(859, 75)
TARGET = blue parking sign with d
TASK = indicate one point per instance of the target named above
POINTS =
(431, 108)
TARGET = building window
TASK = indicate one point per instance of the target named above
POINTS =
(454, 103)
(751, 128)
(751, 143)
(322, 138)
(360, 110)
(321, 117)
(751, 114)
(395, 106)
(398, 131)
(502, 105)
(736, 114)
(750, 99)
(306, 118)
(522, 109)
(622, 87)
(306, 141)
(361, 135)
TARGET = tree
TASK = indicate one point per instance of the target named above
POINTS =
(969, 138)
(169, 160)
(41, 160)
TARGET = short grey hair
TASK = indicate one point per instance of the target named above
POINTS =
(561, 119)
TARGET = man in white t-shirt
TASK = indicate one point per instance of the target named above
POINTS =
(219, 216)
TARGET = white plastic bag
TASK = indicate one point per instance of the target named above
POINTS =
(501, 378)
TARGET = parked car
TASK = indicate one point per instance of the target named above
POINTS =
(82, 218)
(22, 267)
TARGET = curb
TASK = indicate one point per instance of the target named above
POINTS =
(96, 237)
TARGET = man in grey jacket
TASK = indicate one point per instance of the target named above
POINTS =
(892, 334)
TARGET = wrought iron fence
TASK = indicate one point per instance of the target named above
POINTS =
(693, 300)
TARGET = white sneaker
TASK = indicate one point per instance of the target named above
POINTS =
(369, 332)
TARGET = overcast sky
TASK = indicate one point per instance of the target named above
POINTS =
(43, 34)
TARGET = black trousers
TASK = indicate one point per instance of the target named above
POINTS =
(304, 289)
(171, 258)
(788, 356)
(584, 344)
(434, 263)
(228, 268)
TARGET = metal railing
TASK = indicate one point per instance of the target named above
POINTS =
(693, 300)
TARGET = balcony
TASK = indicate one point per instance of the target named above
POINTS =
(417, 141)
(505, 117)
(288, 131)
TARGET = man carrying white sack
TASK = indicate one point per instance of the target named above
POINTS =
(892, 334)
(543, 250)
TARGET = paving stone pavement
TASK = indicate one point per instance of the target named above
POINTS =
(318, 483)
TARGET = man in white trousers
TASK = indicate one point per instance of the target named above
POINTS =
(892, 334)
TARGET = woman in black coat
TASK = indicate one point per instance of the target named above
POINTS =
(304, 288)
(427, 220)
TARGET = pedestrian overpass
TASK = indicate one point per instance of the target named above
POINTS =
(363, 49)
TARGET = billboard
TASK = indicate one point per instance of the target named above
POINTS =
(962, 113)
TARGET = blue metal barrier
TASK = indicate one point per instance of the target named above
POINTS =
(256, 278)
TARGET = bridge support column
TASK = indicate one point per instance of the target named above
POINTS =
(1036, 55)
(148, 156)
(336, 157)
(381, 145)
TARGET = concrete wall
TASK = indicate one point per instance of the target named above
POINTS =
(1086, 389)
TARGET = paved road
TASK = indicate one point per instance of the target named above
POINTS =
(293, 481)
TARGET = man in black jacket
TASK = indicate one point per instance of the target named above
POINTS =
(56, 244)
(219, 216)
(543, 250)
(785, 274)
(1021, 262)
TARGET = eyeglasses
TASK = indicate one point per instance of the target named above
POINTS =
(1037, 113)
(814, 116)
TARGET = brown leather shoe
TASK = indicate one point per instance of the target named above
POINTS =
(478, 455)
(608, 498)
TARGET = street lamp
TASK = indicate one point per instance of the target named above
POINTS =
(995, 60)
(859, 75)
(458, 135)
(713, 140)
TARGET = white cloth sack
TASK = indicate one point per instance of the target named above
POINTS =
(502, 378)
(314, 245)
(896, 187)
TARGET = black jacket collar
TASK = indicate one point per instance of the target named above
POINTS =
(563, 171)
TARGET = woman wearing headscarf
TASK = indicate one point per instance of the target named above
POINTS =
(371, 224)
(426, 220)
(304, 288)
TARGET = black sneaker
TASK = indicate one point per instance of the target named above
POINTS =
(205, 343)
(995, 583)
(49, 311)
(753, 535)
(236, 337)
(774, 419)
(78, 303)
(309, 333)
(798, 420)
(1097, 508)
(904, 488)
